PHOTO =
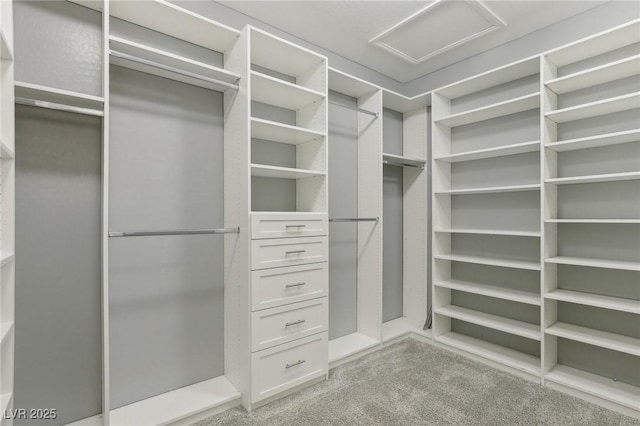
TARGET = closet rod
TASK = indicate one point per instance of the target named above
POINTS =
(355, 219)
(147, 62)
(175, 232)
(399, 164)
(58, 107)
(364, 111)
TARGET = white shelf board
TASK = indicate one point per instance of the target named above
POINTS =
(58, 96)
(177, 404)
(612, 71)
(6, 259)
(6, 53)
(401, 103)
(491, 261)
(594, 109)
(596, 141)
(500, 151)
(611, 177)
(511, 106)
(399, 160)
(5, 401)
(352, 86)
(492, 291)
(167, 59)
(603, 339)
(493, 189)
(89, 421)
(282, 56)
(273, 91)
(595, 263)
(490, 232)
(599, 301)
(491, 351)
(169, 19)
(283, 133)
(260, 170)
(348, 345)
(495, 322)
(595, 221)
(5, 328)
(6, 153)
(399, 327)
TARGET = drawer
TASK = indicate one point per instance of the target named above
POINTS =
(291, 284)
(283, 225)
(287, 252)
(283, 367)
(283, 324)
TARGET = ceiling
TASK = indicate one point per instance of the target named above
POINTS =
(405, 40)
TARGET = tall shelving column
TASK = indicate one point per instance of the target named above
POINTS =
(591, 204)
(486, 217)
(7, 210)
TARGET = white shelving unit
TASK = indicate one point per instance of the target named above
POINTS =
(53, 98)
(491, 291)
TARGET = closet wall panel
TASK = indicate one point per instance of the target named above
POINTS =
(58, 293)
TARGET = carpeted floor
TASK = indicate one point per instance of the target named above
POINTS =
(414, 383)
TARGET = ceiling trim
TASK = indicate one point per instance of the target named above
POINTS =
(482, 10)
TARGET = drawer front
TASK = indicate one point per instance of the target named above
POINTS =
(284, 324)
(287, 252)
(283, 225)
(283, 367)
(291, 284)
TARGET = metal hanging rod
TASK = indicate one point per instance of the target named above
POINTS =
(153, 64)
(58, 107)
(399, 164)
(364, 111)
(356, 219)
(174, 232)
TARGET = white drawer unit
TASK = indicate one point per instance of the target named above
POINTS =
(288, 251)
(283, 324)
(284, 225)
(290, 284)
(283, 367)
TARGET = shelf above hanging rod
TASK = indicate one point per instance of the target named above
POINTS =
(364, 111)
(397, 160)
(58, 107)
(174, 232)
(355, 219)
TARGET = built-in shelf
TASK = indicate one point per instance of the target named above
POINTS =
(597, 300)
(497, 292)
(500, 354)
(595, 221)
(596, 141)
(401, 161)
(349, 85)
(6, 259)
(5, 401)
(260, 170)
(273, 91)
(595, 263)
(611, 177)
(49, 97)
(612, 71)
(512, 106)
(490, 190)
(500, 151)
(348, 345)
(402, 326)
(6, 153)
(5, 328)
(283, 133)
(490, 232)
(491, 261)
(6, 52)
(495, 322)
(594, 109)
(590, 336)
(608, 388)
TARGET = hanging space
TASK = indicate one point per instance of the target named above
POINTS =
(355, 209)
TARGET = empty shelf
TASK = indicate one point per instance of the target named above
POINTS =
(349, 85)
(5, 328)
(512, 106)
(500, 354)
(508, 325)
(400, 327)
(589, 299)
(492, 291)
(595, 263)
(594, 109)
(494, 189)
(399, 160)
(273, 91)
(602, 387)
(6, 153)
(617, 70)
(490, 232)
(596, 141)
(89, 103)
(6, 259)
(491, 261)
(348, 345)
(259, 170)
(500, 151)
(590, 336)
(611, 177)
(283, 133)
(595, 221)
(5, 50)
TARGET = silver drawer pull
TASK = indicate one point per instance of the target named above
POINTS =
(295, 251)
(294, 285)
(295, 226)
(289, 324)
(300, 361)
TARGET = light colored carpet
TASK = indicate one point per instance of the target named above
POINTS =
(414, 383)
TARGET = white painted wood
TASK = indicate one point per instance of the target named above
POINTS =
(273, 91)
(401, 103)
(348, 345)
(400, 327)
(282, 133)
(596, 108)
(307, 359)
(501, 151)
(355, 87)
(594, 337)
(283, 225)
(512, 106)
(489, 232)
(611, 71)
(402, 161)
(6, 51)
(609, 221)
(89, 421)
(59, 96)
(5, 329)
(291, 284)
(596, 141)
(278, 252)
(491, 291)
(261, 170)
(7, 259)
(508, 325)
(106, 344)
(491, 190)
(482, 260)
(595, 263)
(6, 153)
(597, 300)
(611, 177)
